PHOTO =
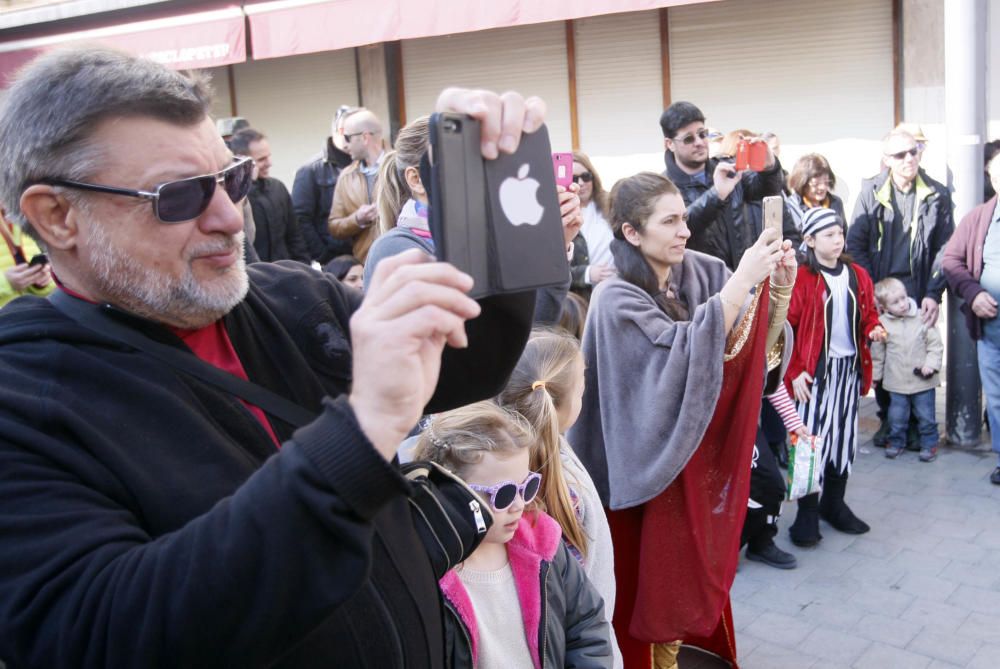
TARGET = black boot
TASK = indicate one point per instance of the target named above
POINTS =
(804, 531)
(834, 510)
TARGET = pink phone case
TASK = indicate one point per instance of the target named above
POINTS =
(562, 164)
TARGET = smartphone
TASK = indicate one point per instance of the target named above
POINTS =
(758, 156)
(497, 220)
(742, 155)
(774, 211)
(39, 259)
(562, 165)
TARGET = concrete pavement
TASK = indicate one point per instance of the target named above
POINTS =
(920, 591)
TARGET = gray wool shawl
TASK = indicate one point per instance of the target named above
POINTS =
(652, 383)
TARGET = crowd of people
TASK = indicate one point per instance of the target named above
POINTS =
(247, 427)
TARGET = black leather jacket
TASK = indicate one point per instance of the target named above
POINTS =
(720, 227)
(312, 195)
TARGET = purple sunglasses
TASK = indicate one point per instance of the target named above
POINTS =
(503, 494)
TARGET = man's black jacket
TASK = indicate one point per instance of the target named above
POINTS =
(147, 519)
(312, 197)
(870, 235)
(722, 227)
(278, 236)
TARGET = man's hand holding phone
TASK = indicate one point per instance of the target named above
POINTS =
(725, 178)
(503, 118)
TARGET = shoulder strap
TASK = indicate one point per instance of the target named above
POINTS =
(96, 318)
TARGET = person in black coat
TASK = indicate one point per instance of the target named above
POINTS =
(277, 235)
(312, 194)
(152, 517)
(712, 190)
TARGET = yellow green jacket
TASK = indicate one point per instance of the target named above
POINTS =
(30, 248)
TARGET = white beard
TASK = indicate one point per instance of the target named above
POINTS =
(182, 302)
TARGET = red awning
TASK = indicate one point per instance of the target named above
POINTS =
(204, 39)
(289, 27)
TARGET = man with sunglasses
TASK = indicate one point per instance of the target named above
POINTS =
(156, 512)
(902, 221)
(715, 193)
(353, 214)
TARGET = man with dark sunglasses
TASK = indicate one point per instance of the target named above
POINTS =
(902, 221)
(353, 215)
(714, 192)
(156, 512)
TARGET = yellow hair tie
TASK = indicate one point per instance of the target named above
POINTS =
(537, 384)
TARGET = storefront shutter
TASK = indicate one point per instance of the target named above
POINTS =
(292, 100)
(619, 83)
(528, 59)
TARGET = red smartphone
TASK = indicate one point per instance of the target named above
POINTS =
(562, 164)
(742, 155)
(758, 156)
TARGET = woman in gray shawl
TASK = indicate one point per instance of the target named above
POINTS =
(674, 350)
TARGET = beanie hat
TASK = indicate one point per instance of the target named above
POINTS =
(816, 220)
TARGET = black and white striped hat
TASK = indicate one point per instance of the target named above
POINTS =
(816, 220)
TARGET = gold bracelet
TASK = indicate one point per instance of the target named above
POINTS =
(729, 302)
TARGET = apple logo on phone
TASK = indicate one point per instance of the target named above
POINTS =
(518, 201)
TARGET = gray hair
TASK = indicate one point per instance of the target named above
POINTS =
(58, 100)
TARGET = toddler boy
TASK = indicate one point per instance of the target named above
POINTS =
(907, 364)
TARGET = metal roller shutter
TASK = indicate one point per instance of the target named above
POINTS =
(811, 72)
(619, 84)
(817, 74)
(528, 59)
(292, 101)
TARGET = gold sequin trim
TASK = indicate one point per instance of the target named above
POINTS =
(738, 337)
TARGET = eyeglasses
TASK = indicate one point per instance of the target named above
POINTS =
(183, 199)
(503, 494)
(355, 134)
(900, 155)
(689, 139)
(819, 183)
(585, 177)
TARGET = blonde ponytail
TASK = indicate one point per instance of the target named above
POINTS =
(391, 189)
(541, 382)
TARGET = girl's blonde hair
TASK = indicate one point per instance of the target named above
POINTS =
(458, 439)
(541, 384)
(391, 189)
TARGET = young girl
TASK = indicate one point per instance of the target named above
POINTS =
(521, 599)
(831, 366)
(547, 389)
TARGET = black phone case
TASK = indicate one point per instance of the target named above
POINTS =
(473, 201)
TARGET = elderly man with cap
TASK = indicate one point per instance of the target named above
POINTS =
(902, 221)
(195, 455)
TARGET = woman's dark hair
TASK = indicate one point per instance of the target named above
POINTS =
(600, 196)
(809, 167)
(632, 201)
(341, 265)
(573, 315)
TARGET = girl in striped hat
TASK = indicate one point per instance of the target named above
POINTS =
(833, 315)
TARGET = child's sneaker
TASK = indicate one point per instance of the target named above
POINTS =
(892, 450)
(928, 454)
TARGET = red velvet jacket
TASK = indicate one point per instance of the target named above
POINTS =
(807, 314)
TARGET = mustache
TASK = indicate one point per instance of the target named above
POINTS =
(222, 244)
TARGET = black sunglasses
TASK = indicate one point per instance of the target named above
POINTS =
(183, 199)
(355, 134)
(689, 139)
(902, 154)
(585, 177)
